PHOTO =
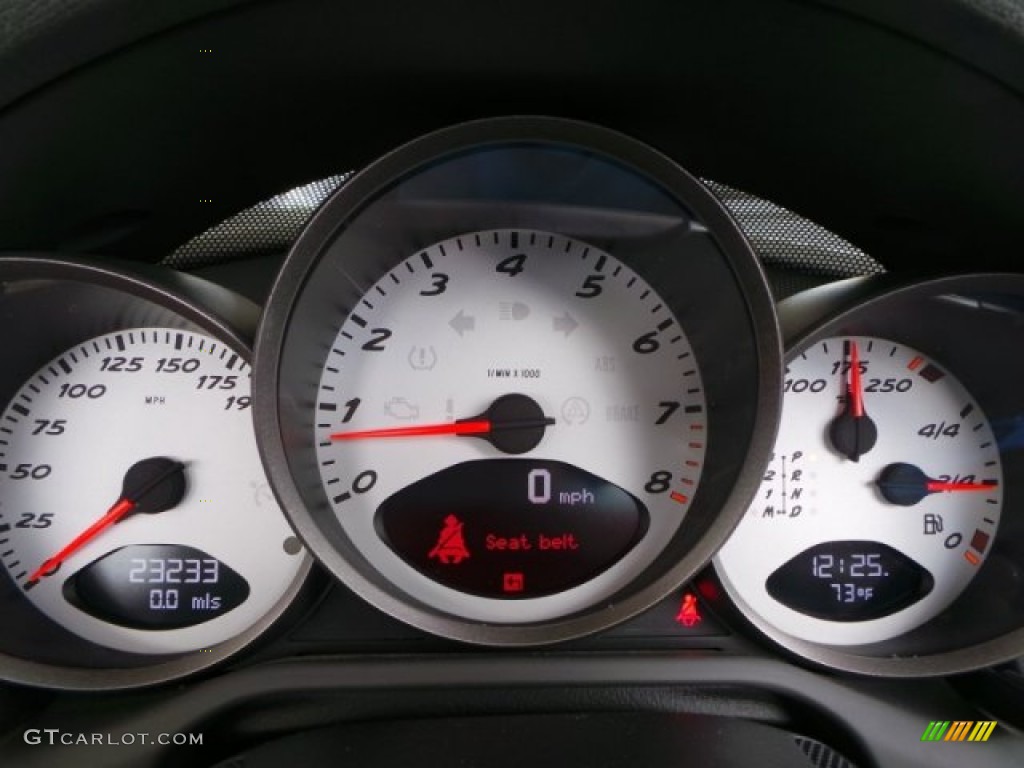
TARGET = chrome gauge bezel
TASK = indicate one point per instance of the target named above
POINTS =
(931, 315)
(113, 296)
(284, 414)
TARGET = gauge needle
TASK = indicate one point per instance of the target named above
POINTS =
(934, 486)
(151, 485)
(852, 432)
(420, 430)
(854, 390)
(905, 485)
(512, 424)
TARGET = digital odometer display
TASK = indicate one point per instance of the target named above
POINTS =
(156, 586)
(849, 581)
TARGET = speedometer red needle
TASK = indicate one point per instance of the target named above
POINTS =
(113, 515)
(481, 427)
(937, 487)
(151, 485)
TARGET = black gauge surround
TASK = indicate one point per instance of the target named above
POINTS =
(505, 186)
(970, 326)
(69, 303)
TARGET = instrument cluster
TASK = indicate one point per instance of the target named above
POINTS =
(516, 383)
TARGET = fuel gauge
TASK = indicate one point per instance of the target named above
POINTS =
(880, 502)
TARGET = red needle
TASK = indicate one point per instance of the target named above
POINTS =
(481, 427)
(113, 515)
(513, 424)
(152, 485)
(856, 395)
(937, 487)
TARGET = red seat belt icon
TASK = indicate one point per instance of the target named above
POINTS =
(451, 545)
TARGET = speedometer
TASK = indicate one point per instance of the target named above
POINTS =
(487, 385)
(117, 521)
(139, 539)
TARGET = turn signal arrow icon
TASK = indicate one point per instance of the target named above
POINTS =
(565, 324)
(462, 323)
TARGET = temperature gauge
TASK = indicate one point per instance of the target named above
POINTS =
(880, 502)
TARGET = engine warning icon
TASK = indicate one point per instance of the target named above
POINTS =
(451, 544)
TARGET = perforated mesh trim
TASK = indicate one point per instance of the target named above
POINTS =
(784, 239)
(802, 250)
(821, 755)
(268, 227)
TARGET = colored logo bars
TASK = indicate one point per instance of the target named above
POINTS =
(959, 730)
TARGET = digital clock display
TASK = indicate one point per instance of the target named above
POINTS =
(849, 581)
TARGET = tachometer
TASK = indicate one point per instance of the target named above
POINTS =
(485, 387)
(510, 413)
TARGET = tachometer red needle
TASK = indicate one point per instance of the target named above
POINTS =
(113, 515)
(856, 393)
(937, 487)
(481, 427)
(513, 423)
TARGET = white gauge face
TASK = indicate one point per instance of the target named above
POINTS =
(557, 423)
(881, 501)
(152, 427)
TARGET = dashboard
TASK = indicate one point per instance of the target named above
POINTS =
(635, 387)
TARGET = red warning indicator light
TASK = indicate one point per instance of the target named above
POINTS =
(451, 544)
(689, 612)
(513, 582)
